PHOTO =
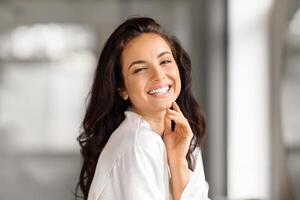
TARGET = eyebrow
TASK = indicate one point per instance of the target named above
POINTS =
(142, 61)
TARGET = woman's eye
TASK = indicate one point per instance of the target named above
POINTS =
(164, 62)
(139, 70)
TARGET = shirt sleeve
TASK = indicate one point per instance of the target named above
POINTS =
(137, 175)
(197, 187)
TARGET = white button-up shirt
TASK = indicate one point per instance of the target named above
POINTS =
(133, 166)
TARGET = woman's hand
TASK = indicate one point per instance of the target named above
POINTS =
(177, 142)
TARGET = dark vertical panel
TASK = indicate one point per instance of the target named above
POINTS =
(197, 51)
(215, 61)
(281, 178)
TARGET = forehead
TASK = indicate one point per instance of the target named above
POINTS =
(144, 46)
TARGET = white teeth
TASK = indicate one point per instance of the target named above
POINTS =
(160, 90)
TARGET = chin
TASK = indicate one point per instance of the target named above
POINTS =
(165, 106)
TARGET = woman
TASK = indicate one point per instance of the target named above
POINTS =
(137, 141)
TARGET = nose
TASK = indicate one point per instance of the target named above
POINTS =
(158, 73)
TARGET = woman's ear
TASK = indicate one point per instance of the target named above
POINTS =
(123, 93)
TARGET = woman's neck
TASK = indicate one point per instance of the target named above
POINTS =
(156, 120)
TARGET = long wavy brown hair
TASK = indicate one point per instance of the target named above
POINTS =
(105, 110)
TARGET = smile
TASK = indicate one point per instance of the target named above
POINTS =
(161, 90)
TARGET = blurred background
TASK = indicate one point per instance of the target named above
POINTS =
(246, 75)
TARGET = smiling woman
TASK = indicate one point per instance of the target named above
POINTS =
(130, 150)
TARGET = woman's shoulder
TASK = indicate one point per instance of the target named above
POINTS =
(132, 141)
(133, 133)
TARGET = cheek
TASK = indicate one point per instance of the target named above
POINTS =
(178, 87)
(177, 83)
(135, 86)
(176, 77)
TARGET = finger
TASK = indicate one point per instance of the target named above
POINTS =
(181, 123)
(173, 124)
(176, 107)
(179, 120)
(167, 123)
(182, 126)
(174, 112)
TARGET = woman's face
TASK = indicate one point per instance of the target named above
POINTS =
(151, 75)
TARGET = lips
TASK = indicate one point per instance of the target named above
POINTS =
(159, 90)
